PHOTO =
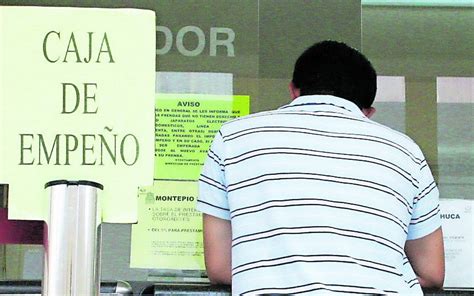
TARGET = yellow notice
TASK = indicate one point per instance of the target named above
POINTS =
(169, 230)
(77, 88)
(185, 127)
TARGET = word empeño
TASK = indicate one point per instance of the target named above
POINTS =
(84, 149)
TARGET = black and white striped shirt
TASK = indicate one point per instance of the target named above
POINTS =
(321, 199)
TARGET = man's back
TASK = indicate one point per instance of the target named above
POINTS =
(320, 199)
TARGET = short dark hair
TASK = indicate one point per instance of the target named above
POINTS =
(334, 68)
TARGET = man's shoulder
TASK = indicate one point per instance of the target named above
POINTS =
(397, 137)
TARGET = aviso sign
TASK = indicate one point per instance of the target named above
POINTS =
(88, 109)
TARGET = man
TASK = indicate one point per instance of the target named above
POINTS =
(316, 198)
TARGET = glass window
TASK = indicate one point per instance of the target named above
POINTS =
(431, 44)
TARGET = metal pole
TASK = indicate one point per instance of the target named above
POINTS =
(57, 253)
(86, 256)
(72, 239)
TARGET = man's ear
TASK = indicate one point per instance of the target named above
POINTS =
(368, 112)
(294, 91)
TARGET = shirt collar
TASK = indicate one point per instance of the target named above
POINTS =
(323, 103)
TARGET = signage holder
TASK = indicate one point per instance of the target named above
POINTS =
(72, 239)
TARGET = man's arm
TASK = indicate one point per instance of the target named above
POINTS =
(426, 256)
(217, 249)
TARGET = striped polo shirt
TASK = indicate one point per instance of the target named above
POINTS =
(321, 200)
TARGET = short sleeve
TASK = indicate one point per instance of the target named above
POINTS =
(426, 212)
(212, 189)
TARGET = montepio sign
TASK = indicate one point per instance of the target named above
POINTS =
(77, 97)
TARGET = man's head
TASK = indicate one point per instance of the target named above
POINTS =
(333, 68)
